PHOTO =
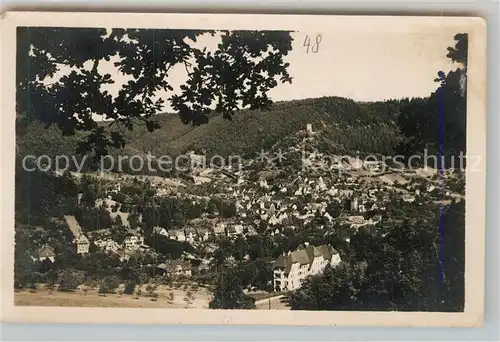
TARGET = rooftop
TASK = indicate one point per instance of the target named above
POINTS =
(46, 252)
(303, 256)
(73, 225)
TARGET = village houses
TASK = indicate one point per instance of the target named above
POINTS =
(133, 240)
(175, 268)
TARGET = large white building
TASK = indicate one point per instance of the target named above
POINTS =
(291, 269)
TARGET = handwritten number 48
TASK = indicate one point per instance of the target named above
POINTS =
(314, 47)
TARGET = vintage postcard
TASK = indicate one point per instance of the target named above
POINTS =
(243, 169)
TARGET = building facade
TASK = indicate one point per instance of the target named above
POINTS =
(82, 244)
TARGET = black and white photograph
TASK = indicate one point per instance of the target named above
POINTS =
(257, 165)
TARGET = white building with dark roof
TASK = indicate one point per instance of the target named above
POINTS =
(46, 253)
(81, 241)
(290, 269)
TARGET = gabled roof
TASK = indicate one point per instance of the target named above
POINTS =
(131, 232)
(46, 252)
(73, 225)
(82, 239)
(159, 230)
(177, 233)
(327, 251)
(162, 266)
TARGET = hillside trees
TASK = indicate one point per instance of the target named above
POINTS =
(39, 195)
(239, 73)
(24, 266)
(169, 213)
(438, 123)
(93, 218)
(375, 132)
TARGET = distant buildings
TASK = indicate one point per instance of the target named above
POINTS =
(235, 229)
(267, 201)
(133, 241)
(197, 161)
(219, 228)
(290, 269)
(178, 235)
(309, 129)
(408, 198)
(175, 268)
(354, 204)
(160, 231)
(102, 239)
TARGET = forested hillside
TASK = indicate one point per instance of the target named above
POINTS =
(405, 126)
(350, 127)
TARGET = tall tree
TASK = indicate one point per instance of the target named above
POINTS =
(238, 74)
(438, 123)
(228, 292)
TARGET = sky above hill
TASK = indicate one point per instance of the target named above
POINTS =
(365, 65)
(368, 67)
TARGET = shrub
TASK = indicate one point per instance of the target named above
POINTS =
(85, 289)
(171, 297)
(129, 287)
(138, 293)
(70, 279)
(109, 284)
(150, 289)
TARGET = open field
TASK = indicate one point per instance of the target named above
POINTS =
(44, 297)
